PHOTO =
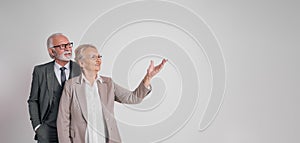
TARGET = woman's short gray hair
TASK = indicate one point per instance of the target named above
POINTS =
(80, 49)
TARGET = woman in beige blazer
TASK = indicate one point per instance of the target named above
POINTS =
(72, 120)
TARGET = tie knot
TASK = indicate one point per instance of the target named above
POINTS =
(62, 68)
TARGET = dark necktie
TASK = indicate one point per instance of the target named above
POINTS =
(62, 76)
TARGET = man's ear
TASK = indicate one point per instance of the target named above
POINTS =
(52, 52)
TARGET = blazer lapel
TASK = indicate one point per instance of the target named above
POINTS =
(81, 97)
(102, 90)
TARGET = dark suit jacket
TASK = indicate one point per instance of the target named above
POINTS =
(41, 93)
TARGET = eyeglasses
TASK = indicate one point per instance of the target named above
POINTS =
(95, 57)
(64, 46)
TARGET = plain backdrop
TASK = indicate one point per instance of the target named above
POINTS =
(260, 44)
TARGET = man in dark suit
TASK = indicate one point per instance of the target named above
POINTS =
(47, 84)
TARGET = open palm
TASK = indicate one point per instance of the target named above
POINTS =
(153, 70)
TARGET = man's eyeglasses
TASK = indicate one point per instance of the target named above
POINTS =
(64, 46)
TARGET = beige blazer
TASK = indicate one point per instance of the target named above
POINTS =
(72, 113)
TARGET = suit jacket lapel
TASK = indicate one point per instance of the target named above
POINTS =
(50, 80)
(74, 70)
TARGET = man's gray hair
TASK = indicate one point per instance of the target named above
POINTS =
(80, 49)
(50, 39)
(50, 42)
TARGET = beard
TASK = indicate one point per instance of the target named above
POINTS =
(62, 56)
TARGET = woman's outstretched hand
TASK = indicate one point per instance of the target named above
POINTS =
(152, 71)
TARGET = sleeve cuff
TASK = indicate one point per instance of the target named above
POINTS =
(37, 127)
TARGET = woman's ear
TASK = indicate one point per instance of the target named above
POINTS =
(81, 64)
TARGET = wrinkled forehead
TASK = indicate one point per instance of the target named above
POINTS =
(59, 39)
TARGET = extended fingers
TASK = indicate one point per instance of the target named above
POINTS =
(162, 63)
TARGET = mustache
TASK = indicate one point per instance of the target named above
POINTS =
(67, 52)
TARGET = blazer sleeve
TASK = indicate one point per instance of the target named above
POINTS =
(63, 117)
(33, 103)
(123, 95)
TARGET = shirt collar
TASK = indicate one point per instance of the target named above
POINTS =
(98, 78)
(57, 66)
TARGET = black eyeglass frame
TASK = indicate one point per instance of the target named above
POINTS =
(63, 46)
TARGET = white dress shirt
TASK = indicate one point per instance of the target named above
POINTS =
(58, 71)
(95, 124)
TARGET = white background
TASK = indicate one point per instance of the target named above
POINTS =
(260, 44)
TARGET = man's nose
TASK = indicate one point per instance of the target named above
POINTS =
(68, 48)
